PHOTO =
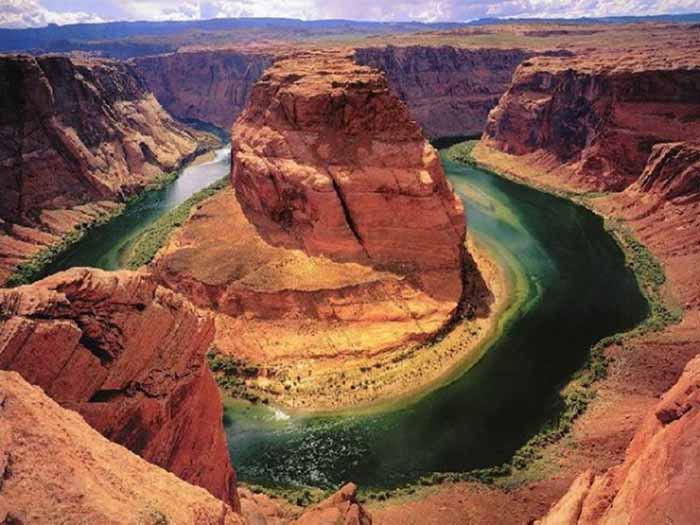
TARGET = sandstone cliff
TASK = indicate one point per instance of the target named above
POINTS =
(128, 355)
(55, 468)
(327, 159)
(659, 481)
(348, 243)
(212, 86)
(74, 137)
(449, 90)
(592, 121)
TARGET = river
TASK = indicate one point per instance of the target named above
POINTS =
(571, 288)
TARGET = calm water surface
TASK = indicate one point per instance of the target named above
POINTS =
(103, 246)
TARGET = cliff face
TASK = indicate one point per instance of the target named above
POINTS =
(129, 356)
(672, 172)
(593, 120)
(73, 137)
(659, 481)
(449, 91)
(340, 245)
(212, 86)
(328, 160)
(53, 465)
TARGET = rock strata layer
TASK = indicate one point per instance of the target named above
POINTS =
(327, 159)
(448, 90)
(75, 137)
(208, 85)
(593, 120)
(129, 356)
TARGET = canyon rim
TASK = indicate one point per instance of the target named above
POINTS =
(359, 272)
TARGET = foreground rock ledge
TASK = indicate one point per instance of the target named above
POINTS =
(129, 356)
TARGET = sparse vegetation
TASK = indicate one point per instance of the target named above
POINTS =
(145, 247)
(34, 268)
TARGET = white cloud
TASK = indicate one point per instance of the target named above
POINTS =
(24, 13)
(30, 13)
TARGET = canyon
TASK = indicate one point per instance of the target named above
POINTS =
(77, 139)
(336, 270)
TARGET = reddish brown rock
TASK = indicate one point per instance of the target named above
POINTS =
(593, 120)
(54, 467)
(659, 481)
(342, 508)
(75, 137)
(672, 172)
(129, 356)
(448, 90)
(208, 85)
(328, 160)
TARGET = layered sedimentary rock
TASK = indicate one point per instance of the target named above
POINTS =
(672, 172)
(659, 481)
(341, 241)
(207, 85)
(593, 120)
(55, 467)
(449, 90)
(327, 159)
(129, 356)
(74, 138)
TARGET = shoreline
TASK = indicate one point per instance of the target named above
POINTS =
(34, 267)
(440, 362)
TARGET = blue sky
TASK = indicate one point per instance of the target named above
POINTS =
(32, 13)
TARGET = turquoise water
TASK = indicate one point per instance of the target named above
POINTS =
(573, 290)
(104, 246)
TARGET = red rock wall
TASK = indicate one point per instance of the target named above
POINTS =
(328, 159)
(73, 133)
(659, 481)
(129, 356)
(449, 90)
(597, 117)
(211, 86)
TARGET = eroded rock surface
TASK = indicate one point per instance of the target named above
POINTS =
(208, 85)
(328, 159)
(74, 138)
(129, 356)
(593, 120)
(448, 90)
(659, 481)
(55, 467)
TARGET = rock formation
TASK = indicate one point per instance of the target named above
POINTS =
(659, 481)
(129, 356)
(74, 137)
(449, 90)
(672, 172)
(54, 467)
(348, 244)
(328, 160)
(207, 85)
(593, 119)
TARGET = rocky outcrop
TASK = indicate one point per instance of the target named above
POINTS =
(328, 160)
(54, 466)
(342, 508)
(659, 481)
(449, 90)
(594, 120)
(349, 247)
(129, 356)
(208, 85)
(672, 172)
(74, 138)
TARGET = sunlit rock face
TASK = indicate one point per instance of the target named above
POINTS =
(129, 356)
(595, 119)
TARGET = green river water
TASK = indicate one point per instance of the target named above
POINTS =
(571, 288)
